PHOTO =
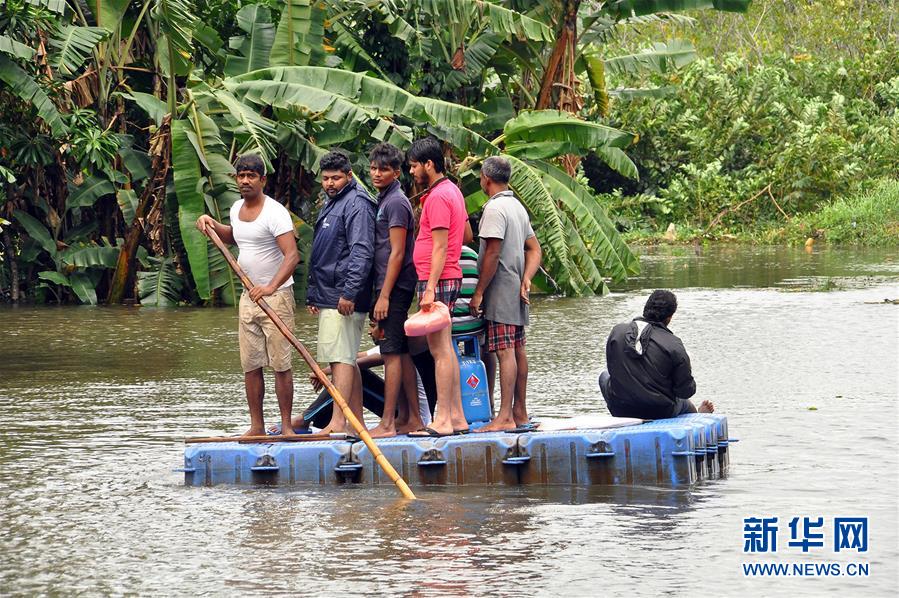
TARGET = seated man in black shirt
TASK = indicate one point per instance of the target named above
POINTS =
(649, 374)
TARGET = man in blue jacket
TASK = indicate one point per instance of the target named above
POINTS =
(649, 373)
(339, 289)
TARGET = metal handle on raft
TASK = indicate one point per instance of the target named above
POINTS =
(598, 455)
(348, 467)
(519, 460)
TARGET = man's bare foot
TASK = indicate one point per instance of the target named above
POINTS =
(380, 431)
(287, 431)
(254, 432)
(409, 427)
(498, 425)
(707, 407)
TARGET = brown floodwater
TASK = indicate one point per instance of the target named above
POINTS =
(95, 402)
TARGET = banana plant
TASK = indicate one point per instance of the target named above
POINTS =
(312, 106)
(581, 245)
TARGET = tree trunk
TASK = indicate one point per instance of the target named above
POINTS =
(160, 149)
(13, 267)
(561, 55)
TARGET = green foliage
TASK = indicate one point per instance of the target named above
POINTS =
(295, 79)
(73, 45)
(869, 217)
(255, 46)
(811, 130)
(160, 286)
(25, 87)
(299, 39)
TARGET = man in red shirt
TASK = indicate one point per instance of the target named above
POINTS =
(443, 229)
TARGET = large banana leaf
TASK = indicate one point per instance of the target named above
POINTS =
(353, 53)
(85, 287)
(127, 200)
(73, 45)
(177, 21)
(91, 256)
(477, 54)
(317, 88)
(561, 127)
(545, 217)
(160, 286)
(660, 58)
(259, 131)
(465, 140)
(21, 84)
(603, 242)
(256, 45)
(17, 49)
(56, 6)
(299, 39)
(221, 276)
(153, 106)
(109, 13)
(501, 19)
(189, 191)
(87, 194)
(36, 231)
(221, 196)
(618, 161)
(586, 276)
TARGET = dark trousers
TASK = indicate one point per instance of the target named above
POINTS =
(681, 406)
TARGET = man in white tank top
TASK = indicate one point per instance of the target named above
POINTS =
(263, 232)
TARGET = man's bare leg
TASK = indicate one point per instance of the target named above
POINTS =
(255, 387)
(393, 382)
(489, 360)
(284, 392)
(519, 407)
(343, 375)
(508, 377)
(446, 373)
(412, 420)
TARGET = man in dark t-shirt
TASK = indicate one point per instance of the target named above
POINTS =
(395, 280)
(649, 374)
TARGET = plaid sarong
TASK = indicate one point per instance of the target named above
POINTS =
(447, 291)
(504, 336)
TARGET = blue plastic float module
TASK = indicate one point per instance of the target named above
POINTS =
(672, 453)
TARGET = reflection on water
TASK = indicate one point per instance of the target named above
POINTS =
(94, 404)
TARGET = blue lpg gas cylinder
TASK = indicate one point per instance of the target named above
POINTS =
(475, 392)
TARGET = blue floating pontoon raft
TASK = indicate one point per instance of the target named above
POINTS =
(671, 453)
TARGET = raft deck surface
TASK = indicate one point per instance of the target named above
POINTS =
(672, 453)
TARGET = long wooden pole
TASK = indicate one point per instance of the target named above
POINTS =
(360, 429)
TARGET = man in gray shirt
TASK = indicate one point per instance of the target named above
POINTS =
(508, 259)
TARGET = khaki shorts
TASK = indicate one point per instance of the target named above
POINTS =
(339, 336)
(261, 343)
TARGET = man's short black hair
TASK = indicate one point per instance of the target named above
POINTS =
(660, 306)
(386, 155)
(251, 162)
(497, 169)
(427, 148)
(335, 160)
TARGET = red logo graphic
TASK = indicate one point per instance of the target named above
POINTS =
(473, 381)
